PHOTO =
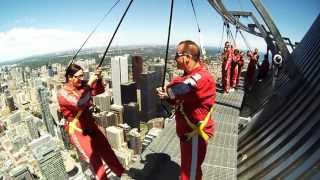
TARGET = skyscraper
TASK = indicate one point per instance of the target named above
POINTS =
(115, 137)
(102, 101)
(158, 69)
(131, 114)
(119, 74)
(51, 163)
(50, 71)
(32, 127)
(10, 103)
(111, 119)
(135, 141)
(137, 68)
(128, 92)
(148, 95)
(21, 172)
(49, 158)
(118, 111)
(45, 111)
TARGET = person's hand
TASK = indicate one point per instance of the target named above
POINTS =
(97, 75)
(162, 93)
(93, 78)
(98, 72)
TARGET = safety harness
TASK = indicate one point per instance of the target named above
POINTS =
(72, 126)
(196, 128)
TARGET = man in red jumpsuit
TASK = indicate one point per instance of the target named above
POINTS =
(251, 69)
(227, 57)
(193, 95)
(75, 101)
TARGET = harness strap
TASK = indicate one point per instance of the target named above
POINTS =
(198, 128)
(73, 124)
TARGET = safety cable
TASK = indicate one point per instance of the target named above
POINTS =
(203, 52)
(168, 42)
(228, 31)
(222, 36)
(235, 36)
(195, 16)
(230, 34)
(95, 28)
(166, 59)
(244, 40)
(105, 52)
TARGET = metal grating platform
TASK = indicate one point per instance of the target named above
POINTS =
(221, 158)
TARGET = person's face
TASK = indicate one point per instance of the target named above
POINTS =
(227, 45)
(77, 78)
(182, 58)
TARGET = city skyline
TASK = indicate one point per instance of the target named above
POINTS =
(40, 27)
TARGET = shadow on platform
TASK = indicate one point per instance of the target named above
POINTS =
(157, 166)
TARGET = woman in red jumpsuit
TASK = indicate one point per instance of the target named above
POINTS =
(235, 69)
(75, 101)
(226, 67)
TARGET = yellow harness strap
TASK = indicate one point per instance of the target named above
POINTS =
(73, 124)
(197, 129)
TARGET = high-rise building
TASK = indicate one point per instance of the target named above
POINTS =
(135, 141)
(101, 119)
(32, 127)
(159, 70)
(148, 95)
(45, 111)
(128, 92)
(21, 172)
(51, 163)
(126, 129)
(115, 137)
(124, 156)
(111, 119)
(50, 71)
(131, 115)
(86, 74)
(119, 74)
(137, 68)
(49, 158)
(10, 103)
(118, 111)
(102, 101)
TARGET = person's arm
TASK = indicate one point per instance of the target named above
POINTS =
(95, 83)
(68, 104)
(184, 89)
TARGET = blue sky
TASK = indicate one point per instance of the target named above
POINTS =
(40, 26)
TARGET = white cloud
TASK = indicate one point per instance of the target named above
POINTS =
(23, 42)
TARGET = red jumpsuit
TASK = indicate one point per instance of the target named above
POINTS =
(88, 139)
(240, 65)
(235, 70)
(196, 105)
(251, 68)
(226, 68)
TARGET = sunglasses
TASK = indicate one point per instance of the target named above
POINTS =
(181, 54)
(79, 76)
